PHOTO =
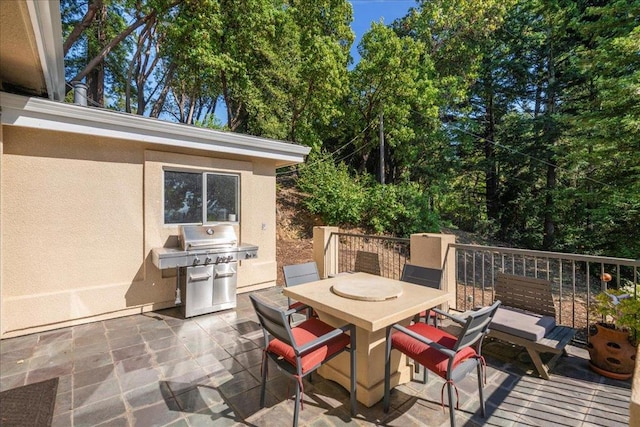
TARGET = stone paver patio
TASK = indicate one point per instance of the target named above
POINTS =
(157, 369)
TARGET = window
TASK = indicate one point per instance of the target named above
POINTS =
(196, 197)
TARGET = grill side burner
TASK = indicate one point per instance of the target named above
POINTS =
(207, 263)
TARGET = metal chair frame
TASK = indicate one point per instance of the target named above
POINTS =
(275, 324)
(474, 327)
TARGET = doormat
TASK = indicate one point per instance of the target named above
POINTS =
(30, 405)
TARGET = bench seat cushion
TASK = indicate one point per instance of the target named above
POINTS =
(523, 324)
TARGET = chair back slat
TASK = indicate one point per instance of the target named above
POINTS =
(476, 326)
(298, 274)
(273, 320)
(425, 276)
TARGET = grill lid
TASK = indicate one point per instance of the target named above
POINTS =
(194, 237)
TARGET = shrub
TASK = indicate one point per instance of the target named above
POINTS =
(331, 192)
(400, 209)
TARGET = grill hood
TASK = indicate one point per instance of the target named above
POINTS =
(193, 237)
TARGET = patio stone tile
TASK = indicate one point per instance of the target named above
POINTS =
(239, 383)
(199, 398)
(148, 394)
(125, 341)
(120, 323)
(49, 360)
(64, 403)
(239, 346)
(224, 338)
(182, 422)
(219, 416)
(427, 412)
(90, 350)
(26, 342)
(93, 376)
(14, 367)
(12, 381)
(16, 355)
(128, 352)
(164, 343)
(200, 345)
(337, 417)
(93, 393)
(132, 364)
(101, 411)
(404, 419)
(49, 372)
(92, 339)
(55, 336)
(157, 414)
(249, 358)
(175, 369)
(278, 415)
(248, 403)
(233, 366)
(50, 349)
(178, 352)
(92, 362)
(208, 360)
(146, 323)
(138, 378)
(186, 328)
(116, 422)
(156, 334)
(62, 420)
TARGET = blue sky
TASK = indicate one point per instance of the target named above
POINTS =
(367, 11)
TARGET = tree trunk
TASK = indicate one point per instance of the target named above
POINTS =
(491, 176)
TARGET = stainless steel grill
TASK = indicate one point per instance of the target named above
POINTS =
(206, 263)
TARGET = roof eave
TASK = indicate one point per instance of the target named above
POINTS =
(56, 116)
(47, 27)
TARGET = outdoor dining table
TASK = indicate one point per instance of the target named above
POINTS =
(371, 303)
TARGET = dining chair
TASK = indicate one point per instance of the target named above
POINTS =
(298, 351)
(367, 262)
(297, 274)
(424, 276)
(448, 356)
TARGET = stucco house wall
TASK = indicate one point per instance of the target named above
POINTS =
(81, 198)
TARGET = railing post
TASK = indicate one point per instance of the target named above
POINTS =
(325, 250)
(430, 250)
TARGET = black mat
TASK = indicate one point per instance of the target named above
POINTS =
(30, 405)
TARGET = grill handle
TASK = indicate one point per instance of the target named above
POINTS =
(199, 277)
(225, 273)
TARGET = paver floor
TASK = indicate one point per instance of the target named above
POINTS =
(158, 369)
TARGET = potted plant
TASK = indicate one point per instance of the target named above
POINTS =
(614, 337)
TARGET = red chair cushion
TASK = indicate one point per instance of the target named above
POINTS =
(427, 356)
(305, 332)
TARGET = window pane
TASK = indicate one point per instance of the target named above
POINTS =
(182, 197)
(222, 197)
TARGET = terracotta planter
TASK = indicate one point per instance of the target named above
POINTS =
(612, 355)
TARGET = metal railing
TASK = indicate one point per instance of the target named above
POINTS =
(391, 253)
(574, 278)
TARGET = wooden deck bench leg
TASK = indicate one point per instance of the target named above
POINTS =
(537, 361)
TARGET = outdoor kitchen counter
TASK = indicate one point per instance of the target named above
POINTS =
(371, 319)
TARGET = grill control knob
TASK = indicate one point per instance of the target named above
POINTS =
(230, 258)
(196, 260)
(207, 260)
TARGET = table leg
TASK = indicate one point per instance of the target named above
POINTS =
(369, 365)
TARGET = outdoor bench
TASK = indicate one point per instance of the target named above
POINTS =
(527, 317)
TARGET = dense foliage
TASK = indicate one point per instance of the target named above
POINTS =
(518, 119)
